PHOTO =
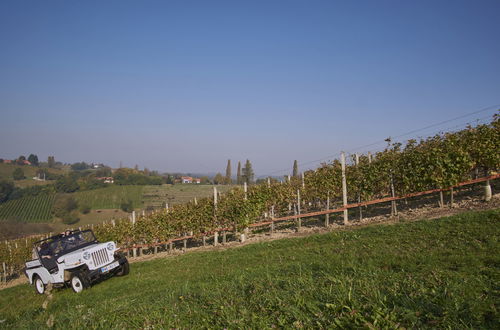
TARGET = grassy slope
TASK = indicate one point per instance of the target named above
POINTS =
(437, 273)
(6, 171)
(177, 194)
(143, 196)
(110, 197)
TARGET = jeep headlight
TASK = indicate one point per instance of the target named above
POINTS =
(110, 246)
(86, 255)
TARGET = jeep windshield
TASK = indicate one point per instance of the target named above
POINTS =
(62, 244)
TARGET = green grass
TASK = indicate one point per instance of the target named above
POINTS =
(28, 209)
(438, 273)
(110, 197)
(144, 196)
(157, 196)
(6, 171)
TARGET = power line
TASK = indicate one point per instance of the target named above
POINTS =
(395, 137)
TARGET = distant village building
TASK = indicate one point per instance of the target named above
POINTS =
(188, 179)
(106, 179)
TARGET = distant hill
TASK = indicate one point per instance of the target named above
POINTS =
(6, 171)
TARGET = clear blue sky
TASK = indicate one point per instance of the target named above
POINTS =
(186, 85)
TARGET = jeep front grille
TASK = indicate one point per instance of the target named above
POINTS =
(100, 257)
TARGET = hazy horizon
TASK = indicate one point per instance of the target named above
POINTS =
(185, 86)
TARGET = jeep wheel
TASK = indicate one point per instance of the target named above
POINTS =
(79, 282)
(124, 269)
(39, 286)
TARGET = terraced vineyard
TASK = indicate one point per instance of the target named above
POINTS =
(110, 197)
(28, 209)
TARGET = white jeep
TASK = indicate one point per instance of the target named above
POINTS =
(74, 258)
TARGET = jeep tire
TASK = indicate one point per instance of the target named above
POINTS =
(124, 269)
(79, 281)
(39, 286)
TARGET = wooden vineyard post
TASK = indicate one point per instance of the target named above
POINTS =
(344, 188)
(299, 220)
(327, 216)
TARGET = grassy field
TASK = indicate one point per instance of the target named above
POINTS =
(432, 274)
(6, 171)
(28, 209)
(110, 197)
(157, 196)
(144, 196)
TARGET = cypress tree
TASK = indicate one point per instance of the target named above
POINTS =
(238, 174)
(228, 172)
(295, 169)
(248, 172)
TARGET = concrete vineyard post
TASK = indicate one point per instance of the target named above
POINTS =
(487, 191)
(155, 250)
(272, 219)
(359, 192)
(327, 216)
(344, 188)
(195, 201)
(4, 273)
(224, 237)
(134, 252)
(451, 197)
(303, 181)
(170, 247)
(184, 245)
(245, 189)
(268, 182)
(133, 217)
(216, 238)
(204, 240)
(441, 199)
(299, 220)
(394, 208)
(369, 157)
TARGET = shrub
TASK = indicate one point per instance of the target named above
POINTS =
(127, 206)
(18, 174)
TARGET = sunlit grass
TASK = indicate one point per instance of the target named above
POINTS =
(435, 273)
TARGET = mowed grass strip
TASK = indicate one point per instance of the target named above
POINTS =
(110, 197)
(28, 209)
(432, 273)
